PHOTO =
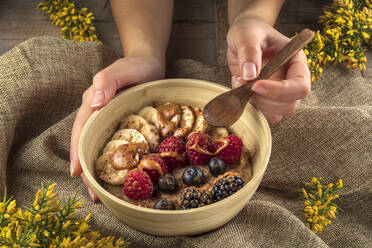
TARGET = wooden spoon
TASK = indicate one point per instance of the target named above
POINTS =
(225, 109)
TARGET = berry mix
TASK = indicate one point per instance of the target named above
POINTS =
(168, 158)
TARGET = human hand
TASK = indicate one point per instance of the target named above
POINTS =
(122, 74)
(251, 43)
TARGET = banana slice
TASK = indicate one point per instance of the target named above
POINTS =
(176, 120)
(130, 135)
(107, 173)
(165, 127)
(113, 144)
(149, 131)
(151, 115)
(187, 121)
(200, 125)
(218, 132)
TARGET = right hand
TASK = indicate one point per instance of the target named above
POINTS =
(251, 42)
(122, 74)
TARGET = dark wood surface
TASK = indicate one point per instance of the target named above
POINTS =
(198, 31)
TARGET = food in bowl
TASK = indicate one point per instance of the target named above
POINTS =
(167, 157)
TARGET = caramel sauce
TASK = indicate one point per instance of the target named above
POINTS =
(167, 112)
(127, 156)
(199, 149)
(226, 142)
(179, 157)
(185, 127)
(150, 165)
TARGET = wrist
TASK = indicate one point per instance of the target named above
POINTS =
(266, 11)
(148, 51)
(253, 15)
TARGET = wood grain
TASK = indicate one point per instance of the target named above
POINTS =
(198, 32)
(192, 36)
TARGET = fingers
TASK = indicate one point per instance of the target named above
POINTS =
(284, 91)
(297, 68)
(123, 73)
(105, 84)
(92, 195)
(272, 118)
(250, 57)
(236, 81)
(296, 86)
(82, 116)
(274, 107)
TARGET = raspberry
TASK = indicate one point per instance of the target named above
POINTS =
(137, 185)
(199, 148)
(152, 164)
(232, 152)
(172, 151)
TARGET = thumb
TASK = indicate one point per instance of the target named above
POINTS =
(250, 58)
(108, 81)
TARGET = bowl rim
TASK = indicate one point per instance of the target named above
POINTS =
(95, 184)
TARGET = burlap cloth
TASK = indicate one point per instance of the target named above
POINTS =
(330, 136)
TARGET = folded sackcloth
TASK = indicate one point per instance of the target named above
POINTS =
(330, 136)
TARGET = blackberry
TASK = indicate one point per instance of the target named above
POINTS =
(193, 176)
(226, 185)
(167, 183)
(164, 204)
(194, 198)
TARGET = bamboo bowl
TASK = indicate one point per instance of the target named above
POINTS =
(251, 127)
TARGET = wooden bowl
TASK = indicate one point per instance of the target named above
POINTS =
(251, 127)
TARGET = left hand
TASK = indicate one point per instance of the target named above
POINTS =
(251, 43)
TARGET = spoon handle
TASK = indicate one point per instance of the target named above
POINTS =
(296, 44)
(286, 53)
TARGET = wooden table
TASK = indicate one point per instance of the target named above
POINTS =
(198, 31)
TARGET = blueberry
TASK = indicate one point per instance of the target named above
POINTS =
(167, 183)
(216, 166)
(193, 176)
(164, 204)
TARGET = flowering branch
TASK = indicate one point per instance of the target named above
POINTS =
(76, 24)
(48, 223)
(319, 206)
(346, 34)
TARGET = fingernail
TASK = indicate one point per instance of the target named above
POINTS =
(249, 71)
(259, 89)
(72, 169)
(233, 79)
(91, 194)
(98, 98)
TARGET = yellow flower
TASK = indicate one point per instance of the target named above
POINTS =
(37, 217)
(65, 14)
(8, 235)
(340, 20)
(317, 211)
(304, 193)
(88, 218)
(2, 207)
